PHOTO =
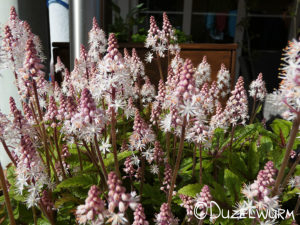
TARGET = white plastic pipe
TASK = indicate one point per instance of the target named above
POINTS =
(59, 24)
(59, 20)
(81, 21)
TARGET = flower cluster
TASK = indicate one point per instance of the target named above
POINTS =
(237, 105)
(223, 81)
(258, 88)
(165, 216)
(93, 209)
(139, 216)
(203, 73)
(142, 133)
(259, 192)
(204, 197)
(188, 203)
(160, 40)
(117, 198)
(286, 98)
(30, 171)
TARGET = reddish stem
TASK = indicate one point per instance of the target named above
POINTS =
(113, 134)
(180, 150)
(289, 147)
(100, 157)
(8, 152)
(6, 197)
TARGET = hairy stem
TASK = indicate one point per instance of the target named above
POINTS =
(79, 154)
(45, 212)
(288, 176)
(253, 109)
(59, 153)
(142, 175)
(200, 163)
(194, 160)
(6, 197)
(92, 158)
(168, 134)
(289, 147)
(8, 152)
(100, 157)
(43, 126)
(113, 134)
(174, 147)
(159, 67)
(34, 216)
(297, 206)
(178, 159)
(231, 139)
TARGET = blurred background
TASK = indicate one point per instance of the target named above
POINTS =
(260, 28)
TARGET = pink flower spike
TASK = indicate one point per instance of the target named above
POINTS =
(117, 196)
(165, 216)
(139, 216)
(52, 111)
(93, 209)
(258, 88)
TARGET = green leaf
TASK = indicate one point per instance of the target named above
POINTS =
(191, 190)
(25, 215)
(16, 212)
(266, 145)
(290, 194)
(78, 181)
(233, 184)
(287, 221)
(42, 221)
(152, 195)
(258, 109)
(218, 192)
(244, 132)
(253, 160)
(2, 199)
(277, 155)
(297, 171)
(185, 165)
(109, 161)
(237, 164)
(66, 198)
(281, 126)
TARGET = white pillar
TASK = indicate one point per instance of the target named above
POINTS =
(81, 22)
(59, 20)
(7, 87)
(59, 25)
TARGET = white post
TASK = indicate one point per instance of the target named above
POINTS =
(59, 25)
(7, 86)
(81, 22)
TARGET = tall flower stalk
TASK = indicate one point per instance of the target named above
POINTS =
(287, 98)
(6, 197)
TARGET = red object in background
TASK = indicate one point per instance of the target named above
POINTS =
(221, 22)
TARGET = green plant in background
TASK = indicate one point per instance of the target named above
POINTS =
(141, 36)
(123, 28)
(182, 37)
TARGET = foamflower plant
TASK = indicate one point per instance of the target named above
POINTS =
(108, 146)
